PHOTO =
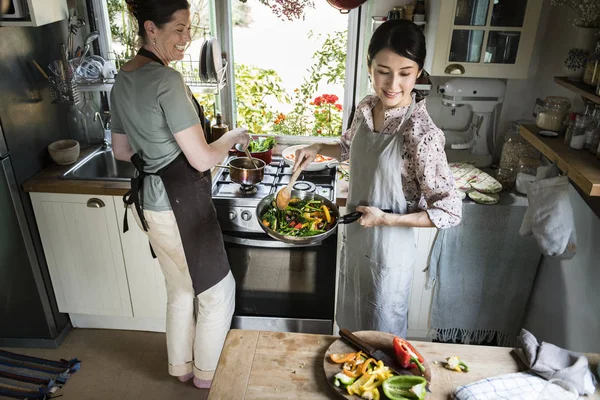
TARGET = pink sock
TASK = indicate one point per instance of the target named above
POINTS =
(186, 377)
(201, 383)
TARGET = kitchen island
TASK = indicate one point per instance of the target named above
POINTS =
(277, 365)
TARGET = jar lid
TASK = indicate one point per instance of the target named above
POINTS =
(557, 102)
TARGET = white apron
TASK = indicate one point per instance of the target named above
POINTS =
(376, 268)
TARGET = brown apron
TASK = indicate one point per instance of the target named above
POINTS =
(190, 195)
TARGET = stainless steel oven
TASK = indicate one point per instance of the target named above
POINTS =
(279, 287)
(283, 287)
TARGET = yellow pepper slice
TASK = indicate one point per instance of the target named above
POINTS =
(326, 212)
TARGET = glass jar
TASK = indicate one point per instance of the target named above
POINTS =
(592, 68)
(578, 136)
(516, 147)
(507, 178)
(553, 113)
(529, 166)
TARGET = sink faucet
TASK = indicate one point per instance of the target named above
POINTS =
(106, 127)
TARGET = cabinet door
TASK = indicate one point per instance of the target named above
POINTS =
(81, 242)
(485, 38)
(146, 280)
(41, 12)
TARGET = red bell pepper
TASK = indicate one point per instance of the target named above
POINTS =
(407, 355)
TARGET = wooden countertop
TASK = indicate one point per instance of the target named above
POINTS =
(277, 365)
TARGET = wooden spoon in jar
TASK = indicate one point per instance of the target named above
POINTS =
(284, 195)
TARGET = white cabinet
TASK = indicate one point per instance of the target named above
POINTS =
(40, 12)
(146, 280)
(83, 250)
(481, 38)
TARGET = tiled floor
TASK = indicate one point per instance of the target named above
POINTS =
(118, 365)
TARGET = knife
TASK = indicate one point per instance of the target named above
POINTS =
(379, 355)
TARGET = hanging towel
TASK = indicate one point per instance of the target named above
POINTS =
(549, 217)
(483, 273)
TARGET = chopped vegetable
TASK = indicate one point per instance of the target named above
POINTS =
(344, 380)
(326, 212)
(405, 387)
(261, 144)
(407, 355)
(455, 364)
(342, 358)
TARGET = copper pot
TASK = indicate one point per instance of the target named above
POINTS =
(243, 172)
(345, 5)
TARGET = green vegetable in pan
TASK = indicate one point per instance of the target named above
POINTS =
(300, 218)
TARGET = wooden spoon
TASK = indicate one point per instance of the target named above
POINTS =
(284, 195)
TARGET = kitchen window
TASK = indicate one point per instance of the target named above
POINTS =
(288, 76)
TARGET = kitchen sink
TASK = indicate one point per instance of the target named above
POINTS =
(101, 165)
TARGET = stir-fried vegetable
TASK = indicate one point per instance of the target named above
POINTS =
(300, 218)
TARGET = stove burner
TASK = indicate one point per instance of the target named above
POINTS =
(305, 186)
(248, 189)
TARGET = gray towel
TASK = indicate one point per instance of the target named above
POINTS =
(549, 217)
(552, 362)
(483, 273)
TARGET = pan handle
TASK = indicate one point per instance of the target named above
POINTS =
(222, 166)
(355, 216)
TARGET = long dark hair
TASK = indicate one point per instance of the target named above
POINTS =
(401, 36)
(158, 11)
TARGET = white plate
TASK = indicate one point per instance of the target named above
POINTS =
(549, 133)
(314, 166)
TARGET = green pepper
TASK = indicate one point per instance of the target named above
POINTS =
(405, 387)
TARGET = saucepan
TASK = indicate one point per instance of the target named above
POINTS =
(266, 202)
(244, 172)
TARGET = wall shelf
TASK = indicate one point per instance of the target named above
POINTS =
(580, 88)
(582, 166)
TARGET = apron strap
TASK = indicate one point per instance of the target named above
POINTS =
(136, 194)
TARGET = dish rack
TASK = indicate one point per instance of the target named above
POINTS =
(190, 70)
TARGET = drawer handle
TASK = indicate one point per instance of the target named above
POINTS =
(95, 203)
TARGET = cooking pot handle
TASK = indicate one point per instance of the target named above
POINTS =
(222, 166)
(355, 216)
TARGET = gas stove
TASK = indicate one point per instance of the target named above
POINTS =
(236, 205)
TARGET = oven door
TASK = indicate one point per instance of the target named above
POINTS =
(282, 287)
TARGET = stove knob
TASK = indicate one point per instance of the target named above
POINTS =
(246, 215)
(232, 215)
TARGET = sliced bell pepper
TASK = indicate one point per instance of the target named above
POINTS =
(455, 364)
(366, 364)
(371, 394)
(342, 358)
(355, 388)
(407, 355)
(326, 212)
(404, 387)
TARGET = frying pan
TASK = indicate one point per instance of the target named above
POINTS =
(265, 203)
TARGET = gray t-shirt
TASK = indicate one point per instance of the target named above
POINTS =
(149, 105)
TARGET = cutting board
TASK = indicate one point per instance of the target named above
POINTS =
(380, 340)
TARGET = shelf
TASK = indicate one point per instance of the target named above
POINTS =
(582, 166)
(582, 89)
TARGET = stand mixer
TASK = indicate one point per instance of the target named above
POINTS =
(482, 96)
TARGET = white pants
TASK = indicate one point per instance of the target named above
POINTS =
(195, 332)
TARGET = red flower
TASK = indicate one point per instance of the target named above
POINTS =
(319, 100)
(330, 98)
(339, 107)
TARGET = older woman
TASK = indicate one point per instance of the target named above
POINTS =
(398, 163)
(156, 124)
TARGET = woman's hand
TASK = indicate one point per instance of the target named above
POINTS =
(306, 155)
(372, 216)
(241, 137)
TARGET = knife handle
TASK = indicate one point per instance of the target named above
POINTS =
(361, 344)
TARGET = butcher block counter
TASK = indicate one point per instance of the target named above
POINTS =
(278, 365)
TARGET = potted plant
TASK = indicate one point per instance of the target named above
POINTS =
(587, 21)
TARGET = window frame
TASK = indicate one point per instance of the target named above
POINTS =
(225, 100)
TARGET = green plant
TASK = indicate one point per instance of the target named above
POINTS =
(253, 86)
(588, 11)
(288, 9)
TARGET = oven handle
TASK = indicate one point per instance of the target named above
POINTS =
(269, 244)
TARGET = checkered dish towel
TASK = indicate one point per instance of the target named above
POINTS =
(517, 386)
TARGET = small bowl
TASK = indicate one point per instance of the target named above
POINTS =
(64, 152)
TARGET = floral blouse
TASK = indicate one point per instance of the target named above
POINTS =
(427, 180)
